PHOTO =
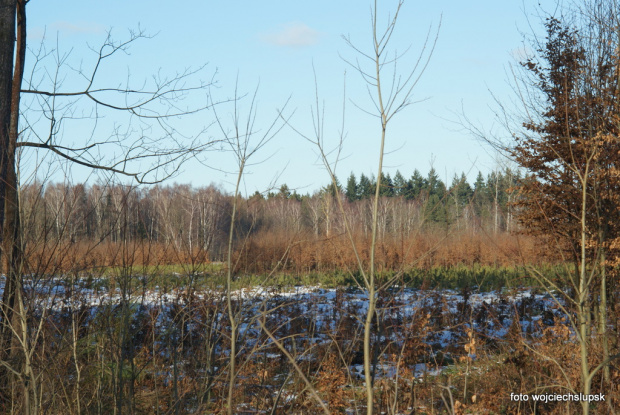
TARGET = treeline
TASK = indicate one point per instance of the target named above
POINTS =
(490, 197)
(462, 223)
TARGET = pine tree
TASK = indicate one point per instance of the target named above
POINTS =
(400, 184)
(480, 196)
(479, 184)
(352, 191)
(331, 189)
(435, 207)
(464, 191)
(460, 196)
(284, 192)
(365, 187)
(387, 186)
(415, 185)
(435, 185)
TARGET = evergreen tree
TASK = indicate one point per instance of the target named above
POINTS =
(497, 186)
(479, 185)
(435, 185)
(435, 207)
(464, 192)
(365, 187)
(481, 196)
(460, 196)
(352, 191)
(400, 184)
(295, 196)
(416, 185)
(257, 196)
(387, 186)
(330, 189)
(284, 192)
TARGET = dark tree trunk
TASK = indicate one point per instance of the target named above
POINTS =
(7, 48)
(7, 44)
(11, 244)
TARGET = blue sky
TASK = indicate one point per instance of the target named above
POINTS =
(279, 42)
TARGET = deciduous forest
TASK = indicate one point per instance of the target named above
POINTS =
(412, 293)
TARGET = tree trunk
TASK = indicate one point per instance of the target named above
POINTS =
(8, 128)
(7, 44)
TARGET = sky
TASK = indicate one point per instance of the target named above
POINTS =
(282, 47)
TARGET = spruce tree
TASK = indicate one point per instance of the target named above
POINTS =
(365, 187)
(387, 186)
(400, 184)
(416, 185)
(352, 192)
(435, 208)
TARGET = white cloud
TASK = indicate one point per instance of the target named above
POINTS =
(64, 29)
(294, 34)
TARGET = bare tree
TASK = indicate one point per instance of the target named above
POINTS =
(36, 111)
(390, 92)
(244, 140)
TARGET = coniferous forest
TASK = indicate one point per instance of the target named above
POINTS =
(474, 222)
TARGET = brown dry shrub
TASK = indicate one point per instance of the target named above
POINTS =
(65, 256)
(308, 253)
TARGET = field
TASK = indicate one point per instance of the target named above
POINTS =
(144, 344)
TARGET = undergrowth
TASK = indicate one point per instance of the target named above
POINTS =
(477, 277)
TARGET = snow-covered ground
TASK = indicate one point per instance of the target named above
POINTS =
(450, 313)
(420, 333)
